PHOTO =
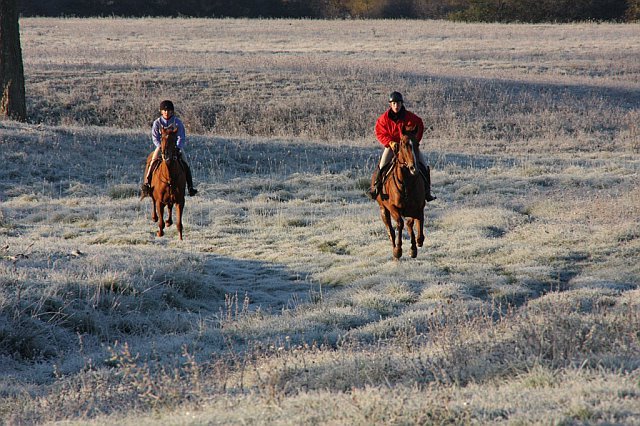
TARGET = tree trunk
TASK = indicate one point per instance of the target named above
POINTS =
(12, 96)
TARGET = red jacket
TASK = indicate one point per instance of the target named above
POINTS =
(389, 130)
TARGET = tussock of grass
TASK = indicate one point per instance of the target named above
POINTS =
(124, 191)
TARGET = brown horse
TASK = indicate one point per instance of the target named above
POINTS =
(403, 195)
(168, 182)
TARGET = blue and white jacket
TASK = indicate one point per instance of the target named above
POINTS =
(172, 121)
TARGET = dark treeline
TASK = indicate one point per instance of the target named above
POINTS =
(464, 10)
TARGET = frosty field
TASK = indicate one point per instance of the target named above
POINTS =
(283, 305)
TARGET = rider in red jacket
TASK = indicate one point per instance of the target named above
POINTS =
(389, 131)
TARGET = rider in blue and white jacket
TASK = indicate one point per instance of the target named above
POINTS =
(167, 119)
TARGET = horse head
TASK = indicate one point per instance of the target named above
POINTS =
(168, 142)
(404, 151)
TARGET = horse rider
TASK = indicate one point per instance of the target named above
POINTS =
(167, 119)
(389, 131)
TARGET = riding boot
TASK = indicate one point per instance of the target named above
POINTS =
(425, 171)
(376, 187)
(187, 170)
(146, 186)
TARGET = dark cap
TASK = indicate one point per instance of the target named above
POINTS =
(166, 106)
(395, 97)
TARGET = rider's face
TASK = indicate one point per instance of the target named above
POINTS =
(166, 114)
(395, 106)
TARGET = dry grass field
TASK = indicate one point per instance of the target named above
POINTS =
(283, 304)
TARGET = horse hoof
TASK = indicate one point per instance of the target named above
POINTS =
(155, 219)
(168, 223)
(414, 253)
(397, 253)
(160, 233)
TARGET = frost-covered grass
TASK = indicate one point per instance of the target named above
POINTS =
(283, 305)
(518, 88)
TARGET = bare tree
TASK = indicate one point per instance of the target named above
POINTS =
(12, 96)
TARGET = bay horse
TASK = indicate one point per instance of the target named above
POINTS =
(403, 196)
(168, 182)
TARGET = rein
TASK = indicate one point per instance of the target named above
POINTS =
(167, 159)
(397, 164)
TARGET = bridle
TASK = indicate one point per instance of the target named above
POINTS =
(400, 183)
(164, 151)
(404, 162)
(169, 151)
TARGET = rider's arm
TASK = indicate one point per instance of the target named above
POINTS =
(182, 135)
(155, 133)
(414, 120)
(382, 131)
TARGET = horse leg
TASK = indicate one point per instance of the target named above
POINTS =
(412, 235)
(160, 208)
(420, 226)
(169, 220)
(154, 214)
(179, 210)
(386, 219)
(397, 248)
